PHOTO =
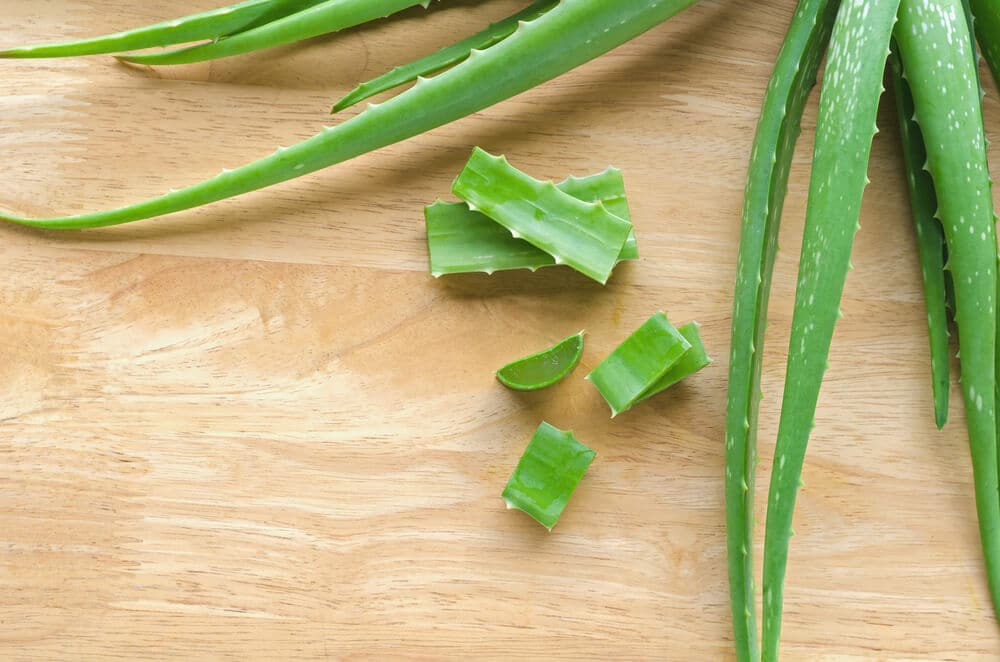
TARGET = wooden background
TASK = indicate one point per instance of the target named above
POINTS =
(261, 430)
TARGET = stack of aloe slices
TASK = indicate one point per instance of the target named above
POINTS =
(509, 220)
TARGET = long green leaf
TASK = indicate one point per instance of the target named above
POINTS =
(852, 84)
(774, 144)
(987, 13)
(582, 29)
(444, 58)
(213, 25)
(948, 107)
(930, 238)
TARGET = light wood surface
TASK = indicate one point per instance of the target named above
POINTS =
(261, 430)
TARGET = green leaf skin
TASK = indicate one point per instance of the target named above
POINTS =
(582, 235)
(693, 360)
(213, 24)
(930, 238)
(544, 368)
(460, 240)
(767, 180)
(936, 50)
(443, 58)
(547, 474)
(639, 363)
(987, 13)
(324, 18)
(852, 84)
(570, 35)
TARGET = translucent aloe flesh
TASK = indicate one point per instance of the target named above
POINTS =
(444, 58)
(583, 29)
(547, 474)
(582, 235)
(460, 240)
(311, 21)
(930, 238)
(638, 364)
(852, 84)
(213, 24)
(767, 180)
(693, 360)
(948, 110)
(544, 368)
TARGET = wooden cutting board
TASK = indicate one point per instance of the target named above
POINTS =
(261, 430)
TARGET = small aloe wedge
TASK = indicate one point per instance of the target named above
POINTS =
(211, 25)
(323, 18)
(582, 31)
(444, 58)
(691, 362)
(582, 235)
(948, 108)
(852, 85)
(547, 474)
(544, 368)
(778, 129)
(638, 364)
(930, 238)
(460, 240)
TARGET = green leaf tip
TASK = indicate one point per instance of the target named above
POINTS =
(547, 474)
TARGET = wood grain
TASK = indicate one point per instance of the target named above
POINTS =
(260, 430)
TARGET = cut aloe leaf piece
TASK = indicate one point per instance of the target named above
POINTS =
(547, 474)
(693, 360)
(460, 240)
(583, 235)
(544, 368)
(637, 365)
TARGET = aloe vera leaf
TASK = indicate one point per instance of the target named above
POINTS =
(987, 13)
(582, 235)
(544, 368)
(571, 34)
(778, 129)
(638, 363)
(460, 240)
(323, 18)
(693, 360)
(444, 58)
(547, 474)
(852, 84)
(948, 107)
(930, 238)
(212, 24)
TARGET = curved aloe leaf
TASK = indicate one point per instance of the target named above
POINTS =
(774, 144)
(930, 238)
(852, 84)
(582, 235)
(544, 368)
(547, 474)
(213, 24)
(460, 240)
(584, 29)
(443, 58)
(638, 364)
(948, 109)
(987, 13)
(324, 18)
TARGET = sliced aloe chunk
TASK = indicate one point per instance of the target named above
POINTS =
(544, 368)
(547, 474)
(583, 235)
(693, 360)
(460, 240)
(637, 365)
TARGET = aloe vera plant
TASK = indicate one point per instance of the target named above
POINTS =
(582, 235)
(987, 13)
(460, 240)
(574, 32)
